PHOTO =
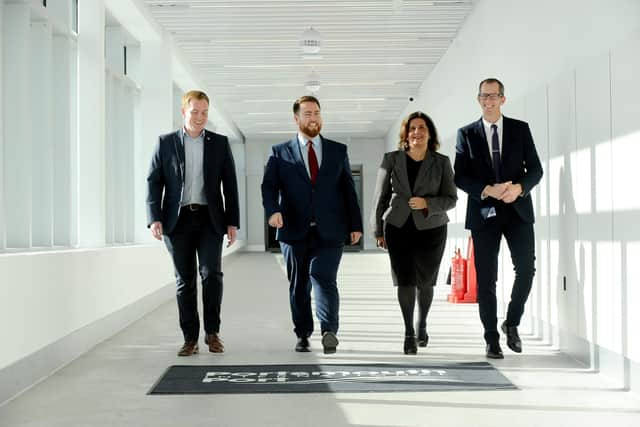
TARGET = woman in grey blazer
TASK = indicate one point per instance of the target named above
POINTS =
(414, 191)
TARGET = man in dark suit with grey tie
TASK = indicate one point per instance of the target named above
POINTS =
(309, 196)
(191, 171)
(497, 166)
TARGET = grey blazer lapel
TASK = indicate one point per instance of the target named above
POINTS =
(425, 167)
(400, 169)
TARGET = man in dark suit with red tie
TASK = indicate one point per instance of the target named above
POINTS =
(309, 196)
(497, 166)
(192, 202)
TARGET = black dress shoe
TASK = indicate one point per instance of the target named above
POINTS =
(494, 351)
(329, 342)
(302, 345)
(513, 339)
(410, 345)
(423, 338)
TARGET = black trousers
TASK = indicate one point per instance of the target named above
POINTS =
(194, 236)
(521, 241)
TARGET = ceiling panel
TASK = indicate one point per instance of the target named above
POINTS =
(374, 55)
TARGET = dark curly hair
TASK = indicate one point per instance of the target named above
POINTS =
(432, 145)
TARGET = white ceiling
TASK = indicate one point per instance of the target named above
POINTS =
(374, 56)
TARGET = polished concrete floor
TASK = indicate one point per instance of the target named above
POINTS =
(108, 386)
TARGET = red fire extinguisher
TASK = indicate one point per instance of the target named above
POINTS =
(471, 291)
(458, 277)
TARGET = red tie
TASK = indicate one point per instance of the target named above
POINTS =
(313, 163)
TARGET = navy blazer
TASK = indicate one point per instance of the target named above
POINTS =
(473, 168)
(166, 182)
(332, 204)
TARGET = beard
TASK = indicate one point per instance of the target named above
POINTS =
(311, 131)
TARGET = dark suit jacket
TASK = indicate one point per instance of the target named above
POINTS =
(474, 170)
(332, 204)
(166, 181)
(392, 193)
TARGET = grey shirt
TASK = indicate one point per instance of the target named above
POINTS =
(193, 161)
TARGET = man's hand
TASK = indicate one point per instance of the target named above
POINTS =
(512, 192)
(232, 233)
(275, 220)
(156, 230)
(355, 237)
(381, 243)
(496, 190)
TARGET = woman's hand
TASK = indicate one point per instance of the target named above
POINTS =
(418, 203)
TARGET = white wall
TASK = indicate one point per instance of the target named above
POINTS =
(48, 295)
(570, 69)
(367, 153)
(57, 303)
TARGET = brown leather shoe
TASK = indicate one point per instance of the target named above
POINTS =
(214, 342)
(189, 348)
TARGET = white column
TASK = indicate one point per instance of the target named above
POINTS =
(115, 49)
(114, 45)
(109, 114)
(2, 217)
(17, 103)
(118, 168)
(126, 159)
(153, 71)
(41, 84)
(90, 175)
(62, 73)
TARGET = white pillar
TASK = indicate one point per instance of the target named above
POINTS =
(90, 176)
(152, 65)
(2, 217)
(126, 159)
(41, 84)
(63, 113)
(17, 104)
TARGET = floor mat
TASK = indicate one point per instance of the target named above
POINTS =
(329, 378)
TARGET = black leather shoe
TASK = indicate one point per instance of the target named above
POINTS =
(513, 339)
(423, 338)
(410, 345)
(329, 342)
(494, 351)
(302, 345)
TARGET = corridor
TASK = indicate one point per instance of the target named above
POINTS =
(107, 386)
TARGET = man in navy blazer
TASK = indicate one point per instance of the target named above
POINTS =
(309, 196)
(185, 205)
(497, 166)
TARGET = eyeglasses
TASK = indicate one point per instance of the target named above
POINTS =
(491, 96)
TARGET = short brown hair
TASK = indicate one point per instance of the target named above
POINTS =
(306, 98)
(489, 81)
(432, 145)
(194, 94)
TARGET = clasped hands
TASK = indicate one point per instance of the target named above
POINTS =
(276, 221)
(508, 192)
